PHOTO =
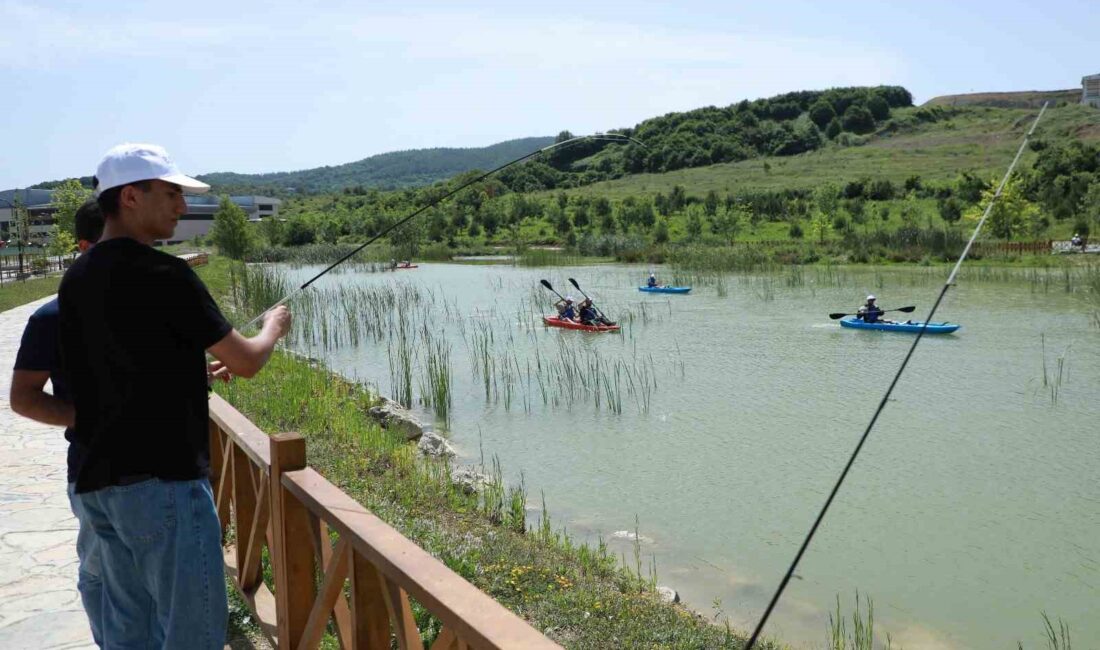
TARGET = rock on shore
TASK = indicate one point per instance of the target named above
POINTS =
(392, 415)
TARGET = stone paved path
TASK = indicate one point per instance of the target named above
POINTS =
(39, 604)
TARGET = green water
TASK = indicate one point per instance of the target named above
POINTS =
(974, 506)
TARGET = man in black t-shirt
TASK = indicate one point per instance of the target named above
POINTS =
(135, 326)
(36, 362)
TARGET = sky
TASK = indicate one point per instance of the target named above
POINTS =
(280, 86)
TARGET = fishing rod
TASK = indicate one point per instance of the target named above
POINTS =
(613, 137)
(882, 404)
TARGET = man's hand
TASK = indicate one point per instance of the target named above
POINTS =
(279, 320)
(217, 370)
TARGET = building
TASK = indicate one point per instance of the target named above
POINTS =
(39, 213)
(201, 208)
(1090, 90)
(197, 222)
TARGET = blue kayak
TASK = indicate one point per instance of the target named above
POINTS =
(911, 326)
(665, 289)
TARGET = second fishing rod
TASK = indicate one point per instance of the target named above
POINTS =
(611, 137)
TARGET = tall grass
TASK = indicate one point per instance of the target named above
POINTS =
(862, 634)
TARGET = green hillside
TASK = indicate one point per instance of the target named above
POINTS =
(1019, 99)
(391, 170)
(981, 140)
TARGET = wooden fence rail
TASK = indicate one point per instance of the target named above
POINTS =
(331, 559)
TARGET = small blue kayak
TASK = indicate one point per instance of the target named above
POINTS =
(911, 326)
(665, 289)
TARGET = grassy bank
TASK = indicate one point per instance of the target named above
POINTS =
(15, 293)
(581, 595)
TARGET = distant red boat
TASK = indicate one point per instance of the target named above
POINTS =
(403, 266)
(554, 321)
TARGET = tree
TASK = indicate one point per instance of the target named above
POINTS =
(660, 233)
(819, 226)
(67, 199)
(827, 197)
(298, 232)
(1090, 204)
(879, 108)
(710, 203)
(62, 242)
(272, 230)
(833, 129)
(1012, 215)
(950, 210)
(729, 223)
(822, 113)
(910, 210)
(694, 222)
(858, 119)
(880, 190)
(230, 232)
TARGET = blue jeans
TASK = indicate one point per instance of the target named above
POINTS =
(88, 582)
(163, 577)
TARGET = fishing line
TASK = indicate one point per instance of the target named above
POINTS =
(882, 404)
(614, 137)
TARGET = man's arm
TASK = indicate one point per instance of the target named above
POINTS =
(28, 399)
(244, 357)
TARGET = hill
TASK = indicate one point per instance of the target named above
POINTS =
(1022, 99)
(935, 143)
(391, 170)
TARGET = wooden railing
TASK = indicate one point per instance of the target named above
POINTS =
(268, 497)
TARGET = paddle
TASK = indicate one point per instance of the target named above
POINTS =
(598, 312)
(546, 283)
(907, 310)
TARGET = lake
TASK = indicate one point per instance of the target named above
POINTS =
(722, 418)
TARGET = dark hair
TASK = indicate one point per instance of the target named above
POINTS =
(108, 199)
(89, 222)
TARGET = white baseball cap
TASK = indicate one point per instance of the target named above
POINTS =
(870, 297)
(129, 163)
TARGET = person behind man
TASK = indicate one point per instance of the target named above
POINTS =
(135, 324)
(870, 312)
(566, 309)
(36, 362)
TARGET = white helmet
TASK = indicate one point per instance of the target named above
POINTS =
(870, 297)
(569, 299)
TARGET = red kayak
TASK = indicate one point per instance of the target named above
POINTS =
(554, 321)
(404, 266)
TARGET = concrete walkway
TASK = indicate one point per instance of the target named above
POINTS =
(39, 604)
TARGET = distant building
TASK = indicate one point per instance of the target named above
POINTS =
(39, 213)
(1090, 90)
(201, 208)
(197, 222)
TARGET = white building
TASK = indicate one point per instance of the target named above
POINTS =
(197, 222)
(1090, 90)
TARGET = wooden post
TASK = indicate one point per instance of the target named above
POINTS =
(244, 504)
(370, 621)
(218, 474)
(292, 554)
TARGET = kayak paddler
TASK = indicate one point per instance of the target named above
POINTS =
(652, 281)
(870, 312)
(589, 315)
(566, 309)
